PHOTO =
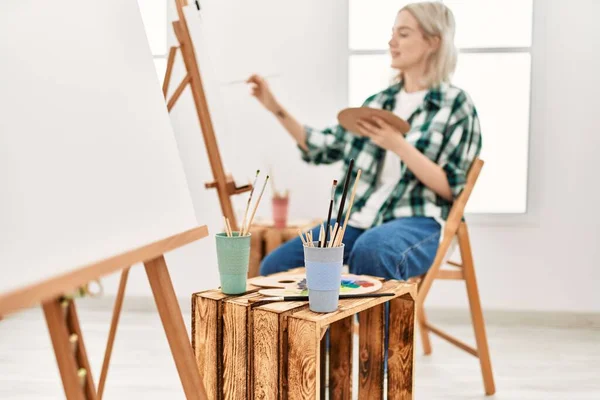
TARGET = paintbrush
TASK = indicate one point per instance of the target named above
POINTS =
(256, 207)
(329, 212)
(243, 228)
(344, 194)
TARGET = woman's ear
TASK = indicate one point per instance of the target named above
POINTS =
(434, 43)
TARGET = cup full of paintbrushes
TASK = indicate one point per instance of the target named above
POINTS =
(233, 257)
(233, 248)
(324, 258)
(323, 276)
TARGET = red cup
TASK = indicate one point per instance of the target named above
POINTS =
(280, 211)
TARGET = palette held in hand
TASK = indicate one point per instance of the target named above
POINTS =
(295, 285)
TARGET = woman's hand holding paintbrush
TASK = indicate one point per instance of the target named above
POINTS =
(262, 92)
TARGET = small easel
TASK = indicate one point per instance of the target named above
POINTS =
(63, 324)
(224, 184)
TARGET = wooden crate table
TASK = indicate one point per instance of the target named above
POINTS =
(266, 238)
(277, 350)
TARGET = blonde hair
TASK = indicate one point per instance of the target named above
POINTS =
(435, 19)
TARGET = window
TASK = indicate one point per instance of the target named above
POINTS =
(154, 15)
(494, 67)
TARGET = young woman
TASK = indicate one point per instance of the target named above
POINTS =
(408, 182)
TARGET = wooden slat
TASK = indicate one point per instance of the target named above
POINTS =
(207, 339)
(178, 91)
(65, 358)
(65, 283)
(172, 321)
(303, 359)
(256, 251)
(235, 352)
(350, 307)
(273, 239)
(340, 359)
(266, 355)
(449, 274)
(454, 264)
(401, 350)
(169, 70)
(452, 340)
(371, 353)
(273, 345)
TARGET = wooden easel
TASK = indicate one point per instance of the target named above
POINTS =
(63, 324)
(224, 184)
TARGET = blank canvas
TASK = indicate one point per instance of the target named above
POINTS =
(89, 166)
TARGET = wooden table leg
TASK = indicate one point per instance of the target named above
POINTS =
(371, 352)
(401, 352)
(303, 359)
(172, 320)
(340, 359)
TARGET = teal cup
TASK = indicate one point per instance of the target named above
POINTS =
(233, 256)
(323, 277)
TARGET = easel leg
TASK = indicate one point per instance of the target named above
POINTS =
(113, 331)
(67, 365)
(172, 320)
(476, 312)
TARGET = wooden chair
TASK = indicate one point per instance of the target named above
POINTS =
(456, 227)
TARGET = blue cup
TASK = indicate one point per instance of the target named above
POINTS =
(323, 277)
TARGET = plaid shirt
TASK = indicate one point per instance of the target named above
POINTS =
(445, 128)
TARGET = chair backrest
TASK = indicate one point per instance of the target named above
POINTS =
(455, 217)
(458, 208)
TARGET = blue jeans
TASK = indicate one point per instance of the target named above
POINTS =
(399, 249)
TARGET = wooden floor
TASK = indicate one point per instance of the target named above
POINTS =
(529, 362)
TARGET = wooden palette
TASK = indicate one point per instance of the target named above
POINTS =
(295, 285)
(349, 117)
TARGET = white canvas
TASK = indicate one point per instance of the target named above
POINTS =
(89, 166)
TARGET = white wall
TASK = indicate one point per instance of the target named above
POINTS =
(544, 260)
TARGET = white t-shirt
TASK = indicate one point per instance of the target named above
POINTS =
(406, 104)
